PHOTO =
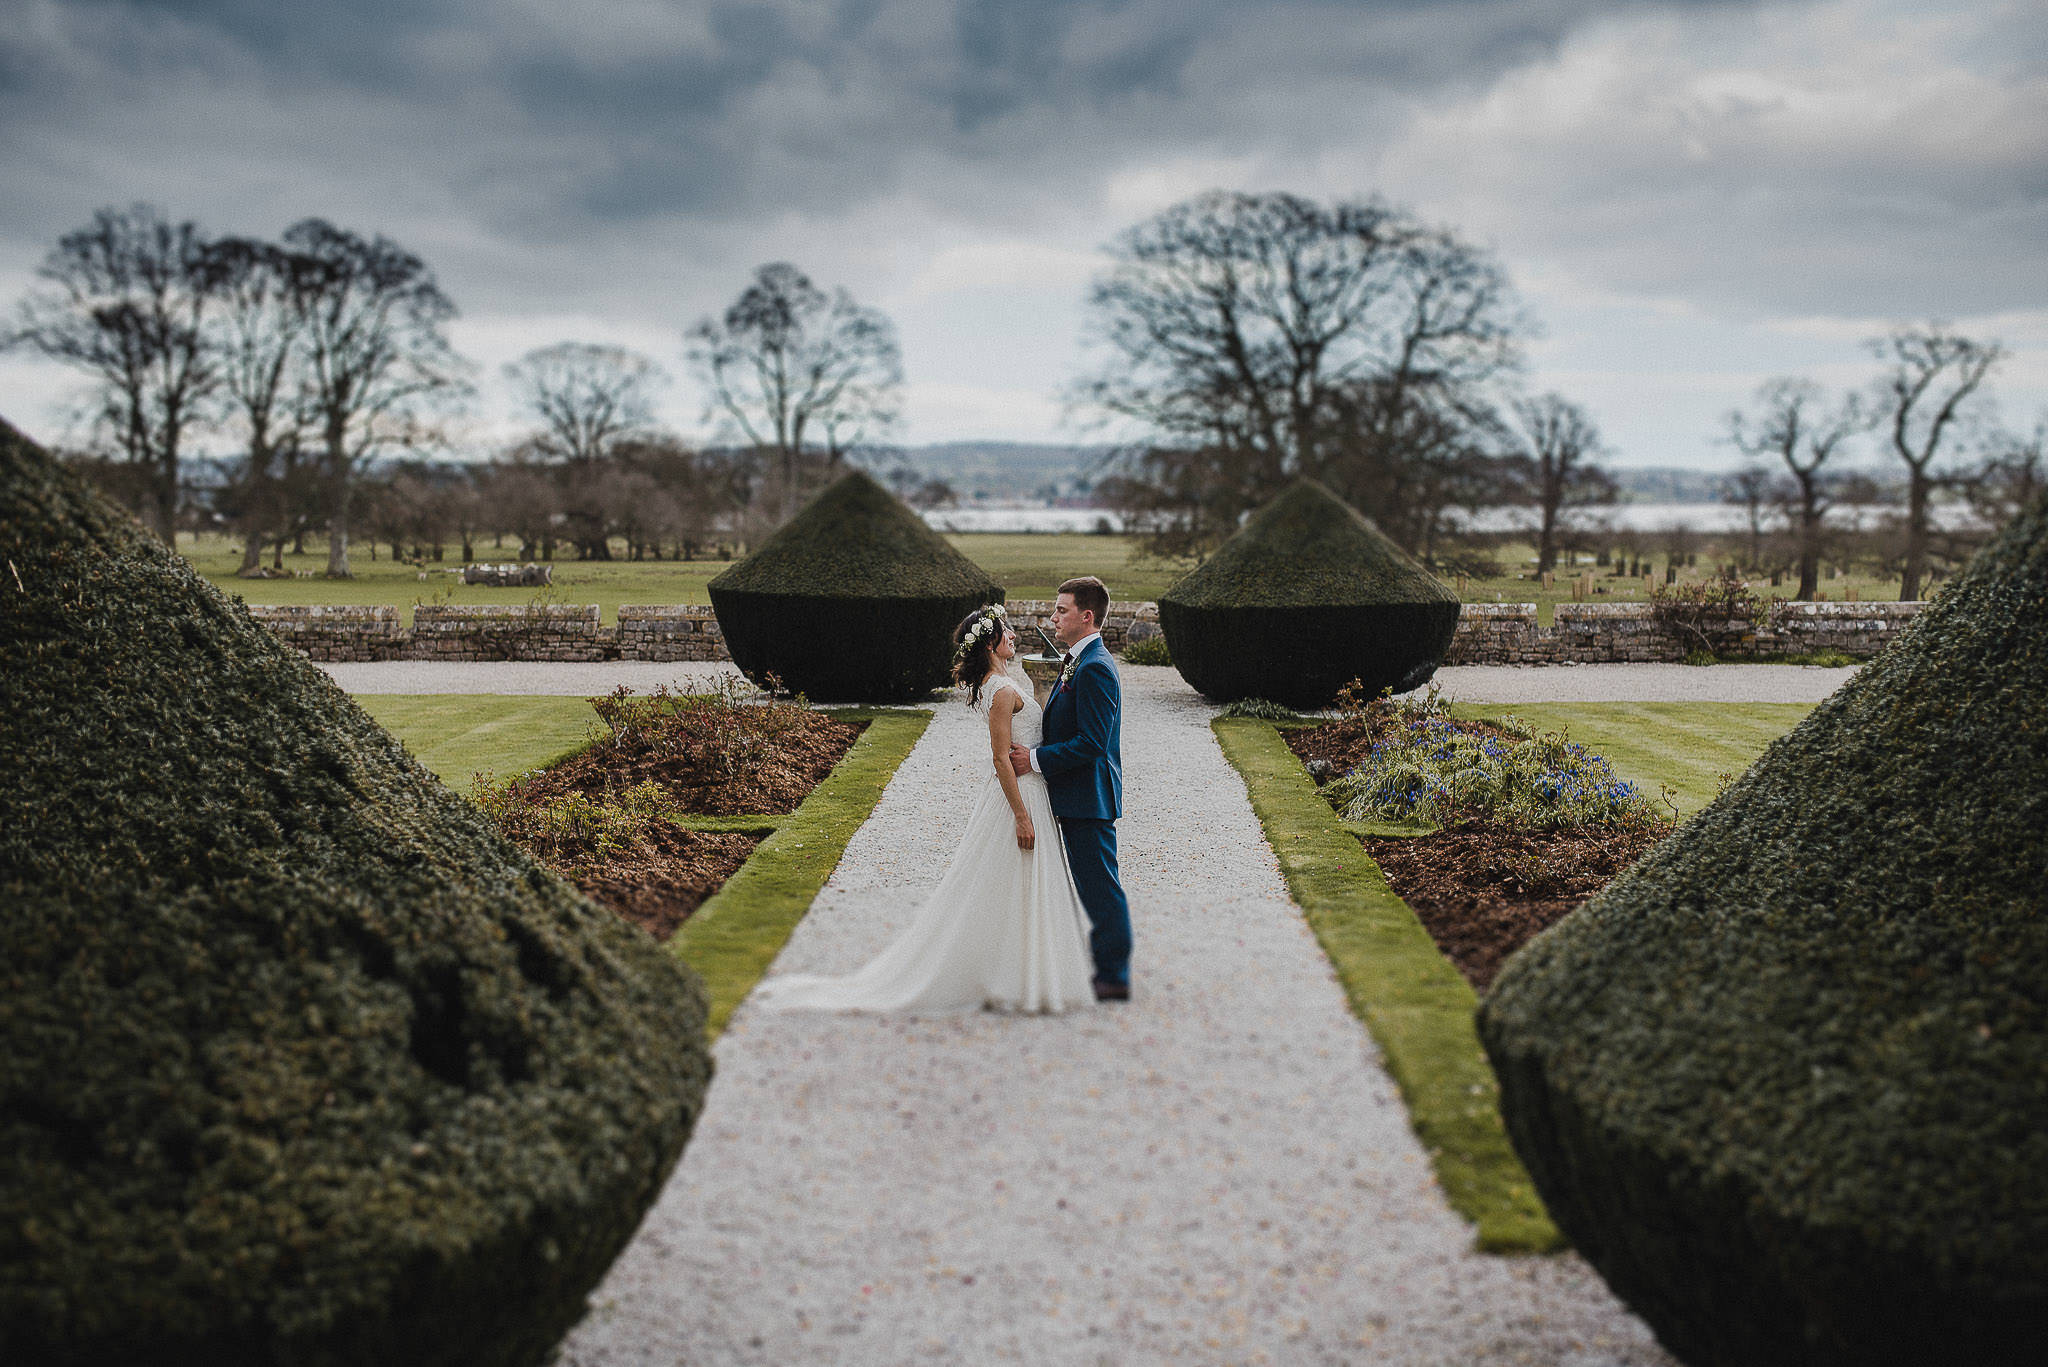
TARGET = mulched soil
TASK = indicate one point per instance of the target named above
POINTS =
(1483, 889)
(716, 764)
(753, 760)
(660, 882)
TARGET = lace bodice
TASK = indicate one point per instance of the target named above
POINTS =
(1027, 726)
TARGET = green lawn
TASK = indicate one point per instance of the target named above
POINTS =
(1685, 745)
(1517, 583)
(1032, 566)
(457, 735)
(1028, 566)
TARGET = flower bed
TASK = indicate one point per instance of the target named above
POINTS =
(620, 818)
(1490, 832)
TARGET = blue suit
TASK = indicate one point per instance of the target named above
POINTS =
(1082, 760)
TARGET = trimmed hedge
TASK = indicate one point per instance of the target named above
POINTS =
(300, 1062)
(1306, 597)
(853, 600)
(1785, 1083)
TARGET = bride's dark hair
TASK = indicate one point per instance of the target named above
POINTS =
(973, 664)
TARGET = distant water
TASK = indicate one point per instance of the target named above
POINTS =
(1032, 517)
(1625, 517)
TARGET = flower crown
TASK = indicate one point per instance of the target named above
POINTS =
(993, 618)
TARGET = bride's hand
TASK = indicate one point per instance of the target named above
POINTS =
(1027, 835)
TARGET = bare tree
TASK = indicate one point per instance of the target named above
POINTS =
(1794, 423)
(125, 299)
(519, 497)
(259, 334)
(789, 365)
(377, 356)
(1923, 399)
(1554, 468)
(1256, 338)
(2012, 476)
(590, 400)
(1751, 488)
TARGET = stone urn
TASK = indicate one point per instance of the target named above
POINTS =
(1043, 671)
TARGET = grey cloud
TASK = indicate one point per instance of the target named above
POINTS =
(697, 127)
(543, 151)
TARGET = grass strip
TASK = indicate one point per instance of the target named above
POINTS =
(456, 735)
(1409, 996)
(1686, 746)
(752, 825)
(737, 933)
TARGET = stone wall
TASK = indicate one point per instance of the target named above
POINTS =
(1488, 633)
(1629, 633)
(548, 631)
(681, 631)
(1125, 622)
(335, 632)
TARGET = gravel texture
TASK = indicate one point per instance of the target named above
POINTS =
(522, 676)
(1219, 1171)
(1463, 683)
(1640, 683)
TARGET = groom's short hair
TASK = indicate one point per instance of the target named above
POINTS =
(1090, 595)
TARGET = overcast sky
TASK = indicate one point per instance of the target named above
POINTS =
(1691, 197)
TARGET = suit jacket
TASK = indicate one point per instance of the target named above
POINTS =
(1081, 755)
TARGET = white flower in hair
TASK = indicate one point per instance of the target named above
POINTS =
(987, 623)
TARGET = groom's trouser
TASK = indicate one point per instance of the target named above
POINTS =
(1091, 854)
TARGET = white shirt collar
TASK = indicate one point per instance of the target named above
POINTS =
(1077, 647)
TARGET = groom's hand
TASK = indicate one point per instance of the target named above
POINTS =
(1020, 760)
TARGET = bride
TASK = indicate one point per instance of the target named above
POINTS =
(1004, 928)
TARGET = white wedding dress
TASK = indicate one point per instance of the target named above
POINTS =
(1004, 928)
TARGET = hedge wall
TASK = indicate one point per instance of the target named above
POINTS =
(299, 1061)
(853, 600)
(1306, 597)
(1785, 1083)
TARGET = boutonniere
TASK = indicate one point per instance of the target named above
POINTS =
(1067, 673)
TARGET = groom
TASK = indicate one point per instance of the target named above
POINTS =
(1082, 761)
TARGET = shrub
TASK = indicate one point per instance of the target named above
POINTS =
(1785, 1082)
(1438, 770)
(573, 831)
(853, 600)
(1150, 651)
(1261, 709)
(1305, 597)
(1719, 616)
(300, 1060)
(1423, 766)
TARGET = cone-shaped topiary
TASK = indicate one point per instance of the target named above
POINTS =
(1306, 597)
(300, 1062)
(853, 600)
(1785, 1083)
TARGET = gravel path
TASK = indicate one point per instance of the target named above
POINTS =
(1464, 683)
(1640, 683)
(1220, 1171)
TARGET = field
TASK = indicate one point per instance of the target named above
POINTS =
(457, 735)
(1028, 565)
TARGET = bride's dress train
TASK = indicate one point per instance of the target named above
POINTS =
(1004, 928)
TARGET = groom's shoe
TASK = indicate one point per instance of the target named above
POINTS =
(1107, 991)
